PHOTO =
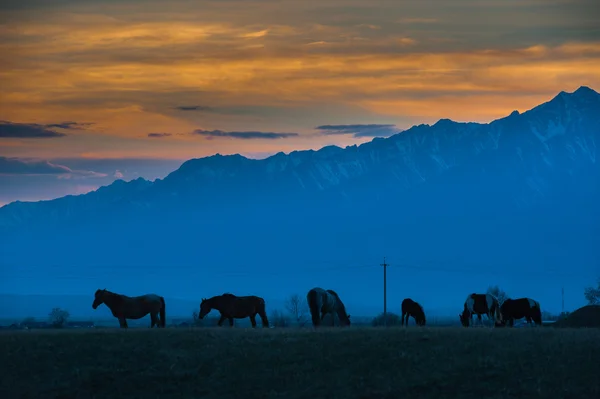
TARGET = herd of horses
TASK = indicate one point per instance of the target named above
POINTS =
(321, 302)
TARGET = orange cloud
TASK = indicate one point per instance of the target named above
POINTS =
(268, 67)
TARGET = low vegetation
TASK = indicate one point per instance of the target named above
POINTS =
(585, 317)
(300, 363)
(58, 317)
(592, 294)
(390, 319)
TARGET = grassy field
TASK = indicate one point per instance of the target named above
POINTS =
(367, 363)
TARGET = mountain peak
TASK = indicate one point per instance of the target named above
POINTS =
(444, 122)
(585, 90)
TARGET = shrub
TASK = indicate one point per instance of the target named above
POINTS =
(58, 317)
(278, 319)
(392, 320)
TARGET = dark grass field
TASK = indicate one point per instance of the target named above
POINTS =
(331, 363)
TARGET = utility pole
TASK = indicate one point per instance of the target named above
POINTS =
(563, 299)
(385, 265)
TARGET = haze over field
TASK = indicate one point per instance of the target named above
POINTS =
(344, 115)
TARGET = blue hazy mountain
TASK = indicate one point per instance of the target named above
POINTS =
(460, 205)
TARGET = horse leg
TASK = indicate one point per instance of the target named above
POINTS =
(253, 320)
(123, 322)
(221, 320)
(153, 320)
(231, 322)
(402, 321)
(263, 318)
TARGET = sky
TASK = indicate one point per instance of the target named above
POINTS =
(96, 90)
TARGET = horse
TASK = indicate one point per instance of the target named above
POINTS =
(480, 304)
(125, 307)
(414, 309)
(239, 307)
(513, 309)
(322, 302)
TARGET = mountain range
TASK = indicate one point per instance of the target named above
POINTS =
(515, 195)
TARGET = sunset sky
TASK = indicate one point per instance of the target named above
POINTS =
(93, 90)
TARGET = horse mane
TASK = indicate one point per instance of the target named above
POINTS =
(114, 294)
(114, 298)
(338, 300)
(228, 294)
(334, 293)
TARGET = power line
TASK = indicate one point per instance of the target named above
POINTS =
(76, 274)
(24, 270)
(480, 270)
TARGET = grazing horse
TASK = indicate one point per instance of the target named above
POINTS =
(480, 304)
(414, 309)
(321, 302)
(513, 309)
(235, 307)
(125, 307)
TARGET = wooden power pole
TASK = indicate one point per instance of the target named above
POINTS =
(385, 265)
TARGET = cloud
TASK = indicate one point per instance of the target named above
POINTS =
(418, 20)
(37, 131)
(369, 26)
(159, 135)
(372, 130)
(254, 35)
(319, 43)
(193, 108)
(23, 167)
(44, 186)
(27, 131)
(68, 125)
(244, 135)
(137, 68)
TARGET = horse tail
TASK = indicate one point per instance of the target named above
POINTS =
(313, 304)
(424, 321)
(537, 313)
(163, 320)
(262, 312)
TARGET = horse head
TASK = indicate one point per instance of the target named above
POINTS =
(204, 308)
(98, 298)
(344, 319)
(464, 319)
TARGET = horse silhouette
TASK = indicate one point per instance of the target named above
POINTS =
(235, 307)
(480, 304)
(322, 302)
(125, 307)
(527, 308)
(414, 309)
